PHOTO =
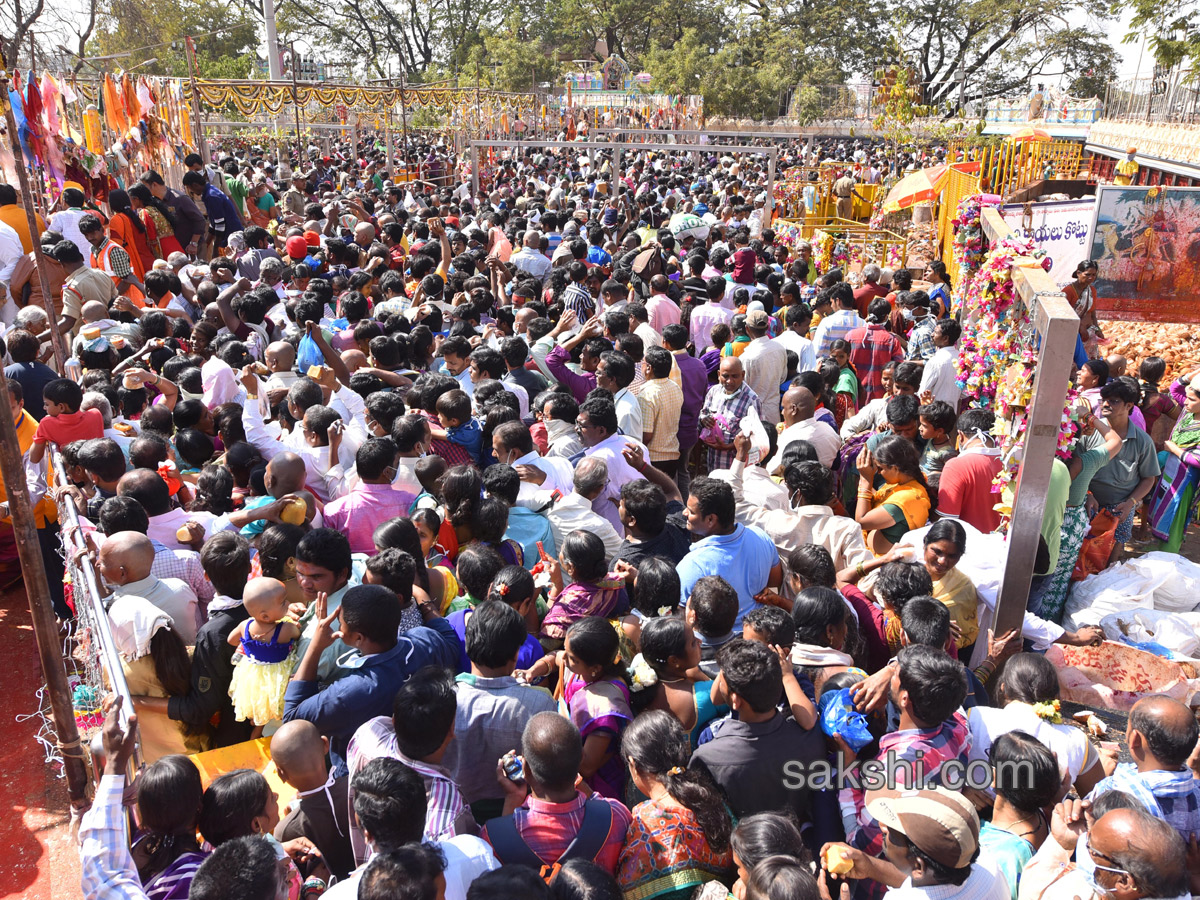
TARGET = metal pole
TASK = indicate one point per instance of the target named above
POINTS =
(296, 106)
(474, 170)
(273, 70)
(1055, 322)
(41, 611)
(387, 137)
(404, 124)
(56, 340)
(616, 172)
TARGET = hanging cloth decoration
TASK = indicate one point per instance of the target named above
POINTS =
(110, 105)
(93, 134)
(33, 118)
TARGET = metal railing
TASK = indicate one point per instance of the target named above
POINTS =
(95, 650)
(876, 245)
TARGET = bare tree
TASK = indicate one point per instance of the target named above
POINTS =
(16, 24)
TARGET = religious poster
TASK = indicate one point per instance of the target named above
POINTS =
(1059, 227)
(1146, 241)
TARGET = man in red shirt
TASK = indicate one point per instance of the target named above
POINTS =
(871, 288)
(549, 812)
(64, 422)
(872, 347)
(965, 488)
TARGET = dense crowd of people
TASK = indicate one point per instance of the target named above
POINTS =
(556, 542)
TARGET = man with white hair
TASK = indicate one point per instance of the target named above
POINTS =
(530, 259)
(573, 511)
(871, 288)
(96, 400)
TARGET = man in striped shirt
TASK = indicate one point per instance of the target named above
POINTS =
(417, 733)
(839, 323)
(577, 297)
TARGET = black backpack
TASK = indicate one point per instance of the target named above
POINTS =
(510, 848)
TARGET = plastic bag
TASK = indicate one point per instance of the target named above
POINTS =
(840, 718)
(1097, 546)
(308, 354)
(717, 431)
(752, 426)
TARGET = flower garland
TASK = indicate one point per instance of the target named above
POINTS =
(970, 247)
(1049, 711)
(997, 360)
(989, 298)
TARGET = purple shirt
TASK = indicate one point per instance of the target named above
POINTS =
(694, 377)
(579, 385)
(357, 514)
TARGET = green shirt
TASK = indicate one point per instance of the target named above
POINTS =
(1056, 509)
(239, 191)
(1092, 458)
(1137, 460)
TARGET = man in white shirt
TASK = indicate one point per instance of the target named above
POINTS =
(512, 445)
(390, 806)
(808, 520)
(940, 377)
(125, 562)
(615, 374)
(765, 362)
(795, 338)
(573, 511)
(597, 426)
(799, 408)
(530, 259)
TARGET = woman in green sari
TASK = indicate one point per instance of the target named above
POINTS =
(842, 381)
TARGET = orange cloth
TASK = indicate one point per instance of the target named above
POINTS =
(124, 232)
(14, 217)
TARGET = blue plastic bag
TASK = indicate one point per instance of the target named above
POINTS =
(840, 718)
(308, 354)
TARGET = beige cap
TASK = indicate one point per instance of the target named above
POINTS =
(940, 823)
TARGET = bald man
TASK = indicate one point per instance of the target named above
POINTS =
(800, 424)
(1117, 365)
(125, 561)
(552, 750)
(725, 405)
(1129, 853)
(530, 259)
(321, 810)
(1161, 734)
(283, 480)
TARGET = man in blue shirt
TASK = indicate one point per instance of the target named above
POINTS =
(743, 555)
(525, 526)
(370, 620)
(223, 218)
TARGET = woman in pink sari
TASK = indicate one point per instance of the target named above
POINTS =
(595, 697)
(592, 591)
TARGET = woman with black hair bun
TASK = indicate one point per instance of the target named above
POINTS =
(680, 836)
(666, 676)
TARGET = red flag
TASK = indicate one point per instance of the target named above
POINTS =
(33, 118)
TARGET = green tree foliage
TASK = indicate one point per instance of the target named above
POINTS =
(1173, 30)
(1002, 46)
(155, 29)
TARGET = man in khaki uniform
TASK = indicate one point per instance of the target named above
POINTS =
(844, 192)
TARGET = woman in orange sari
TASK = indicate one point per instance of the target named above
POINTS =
(154, 216)
(902, 504)
(127, 229)
(261, 206)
